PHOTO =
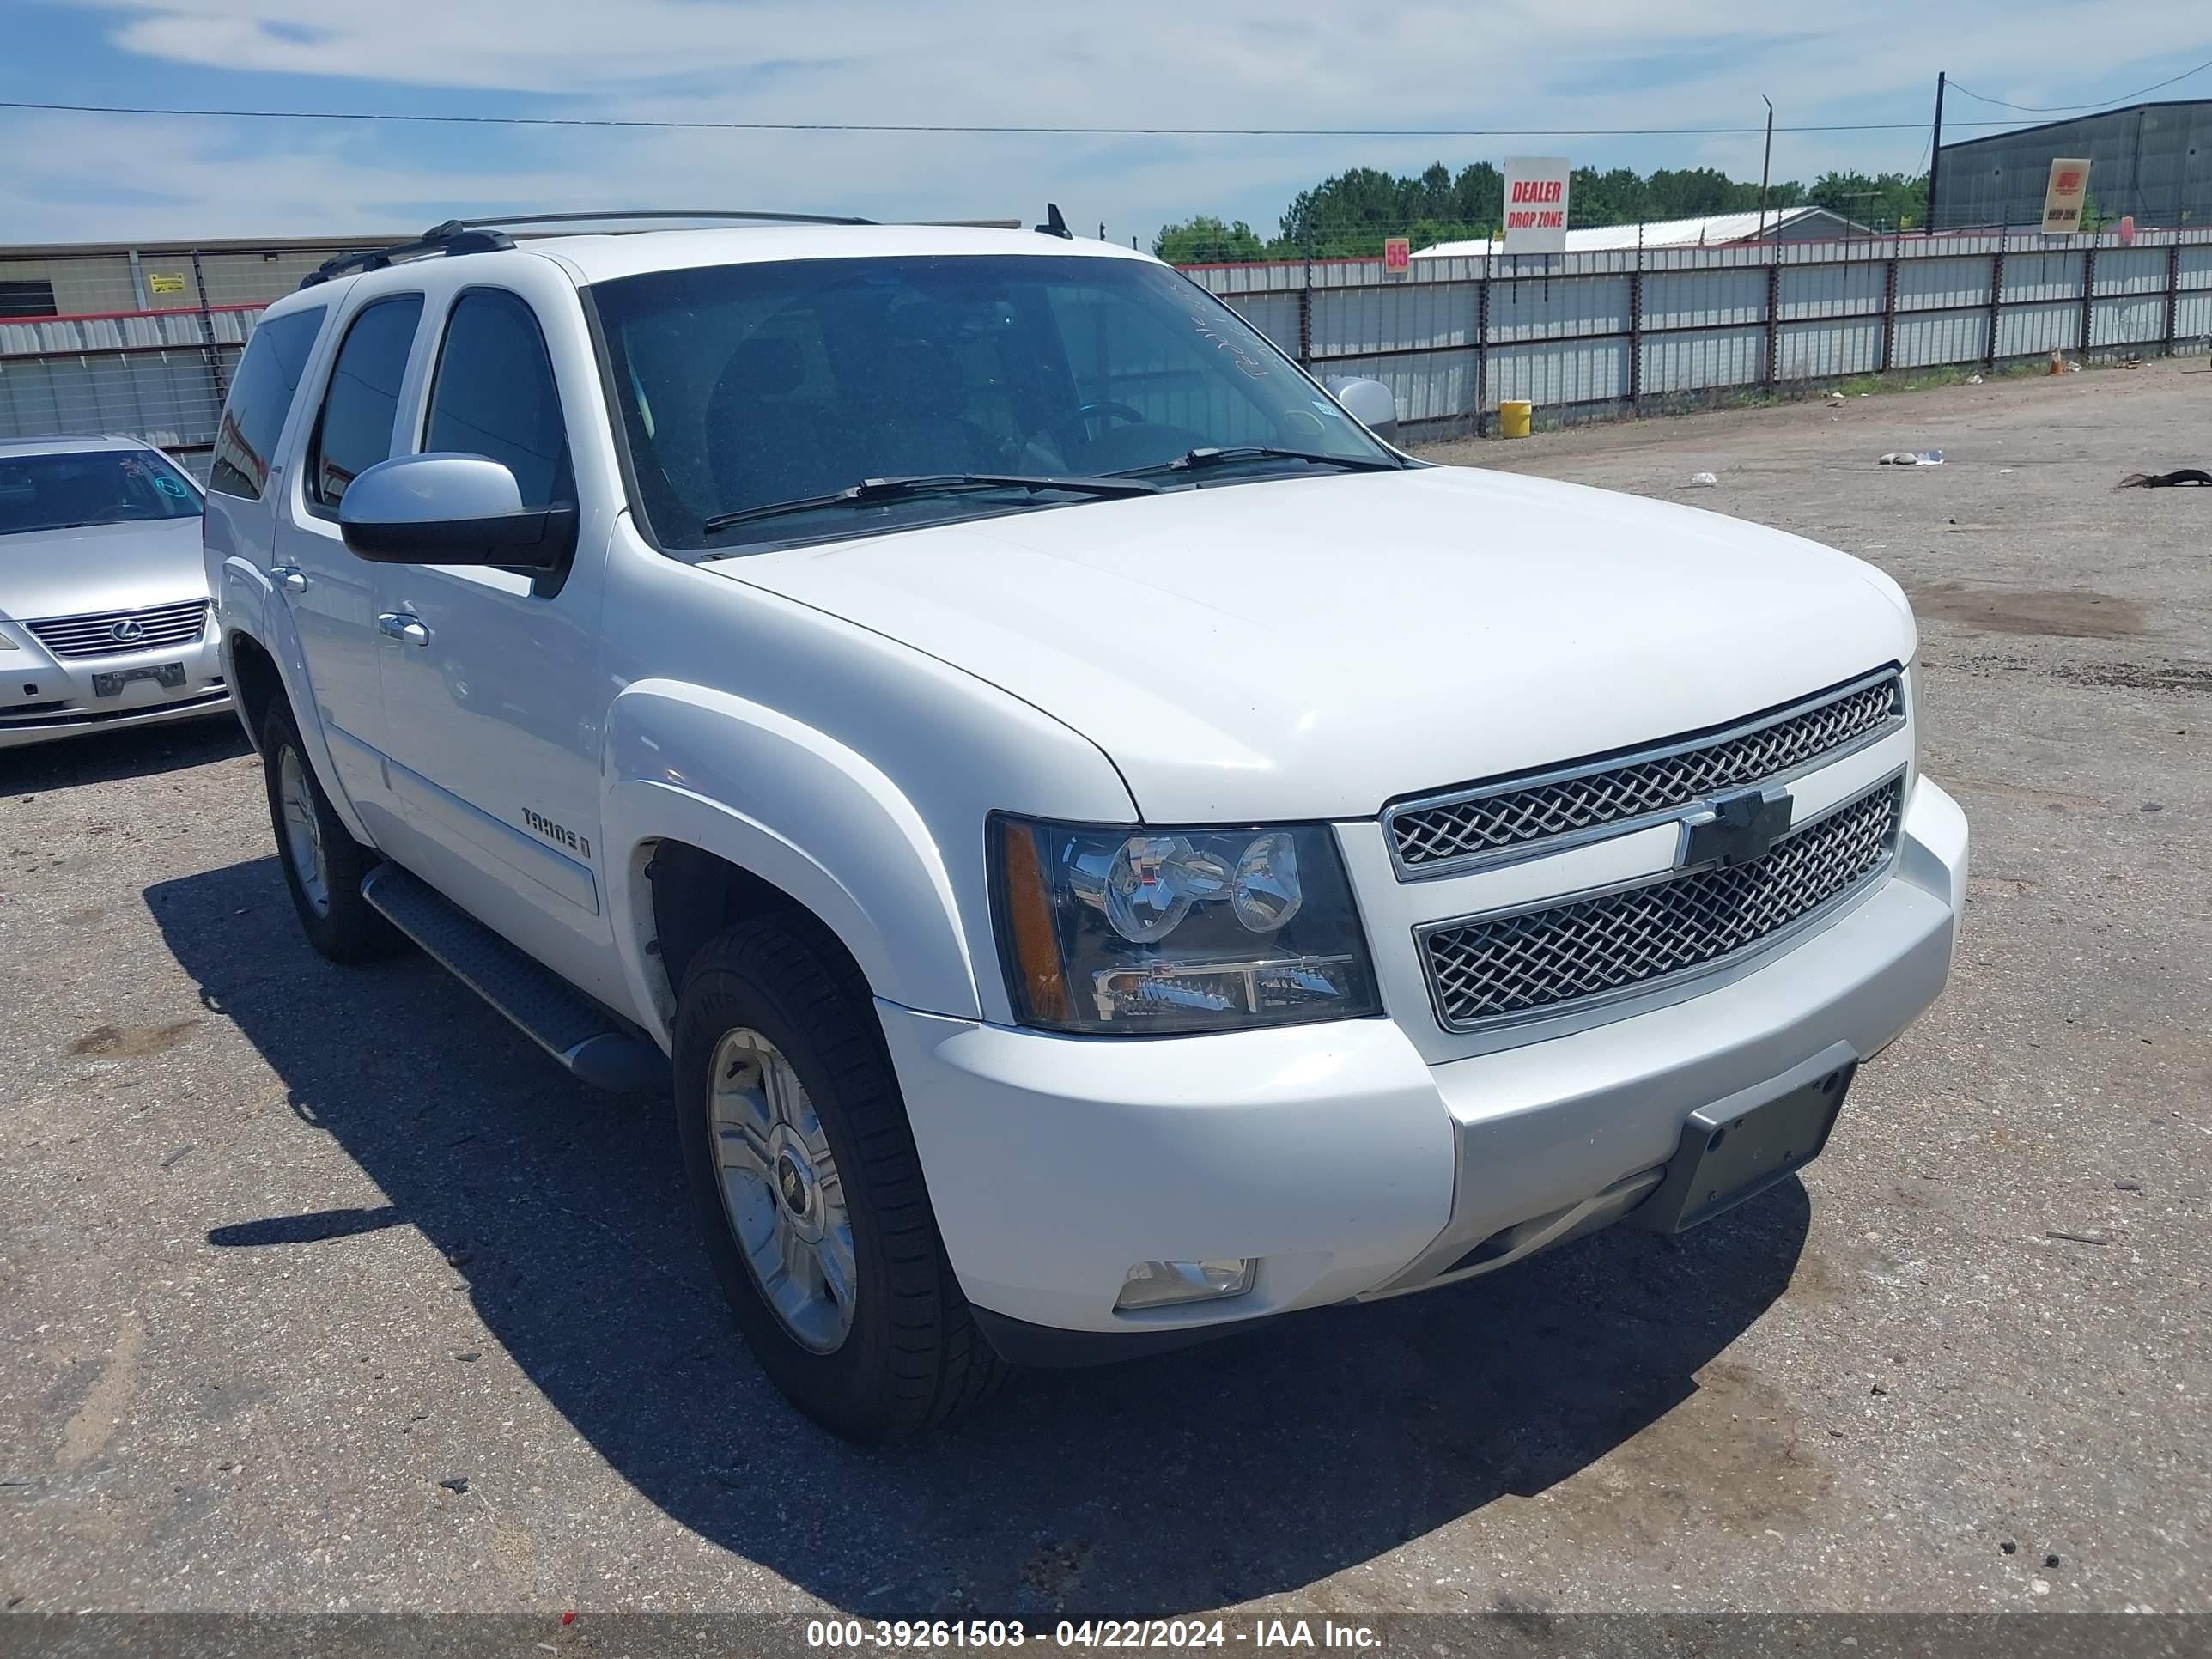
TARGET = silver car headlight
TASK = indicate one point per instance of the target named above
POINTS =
(1111, 930)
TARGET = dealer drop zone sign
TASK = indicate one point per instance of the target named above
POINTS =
(1535, 204)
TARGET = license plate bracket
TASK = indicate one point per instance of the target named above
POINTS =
(169, 675)
(1730, 1152)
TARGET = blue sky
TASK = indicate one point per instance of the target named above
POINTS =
(1324, 63)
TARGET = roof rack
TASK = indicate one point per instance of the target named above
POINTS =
(452, 237)
(672, 213)
(458, 236)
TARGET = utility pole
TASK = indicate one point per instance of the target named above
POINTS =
(1936, 151)
(1765, 167)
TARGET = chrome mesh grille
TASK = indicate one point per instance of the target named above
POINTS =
(153, 628)
(1545, 960)
(1431, 834)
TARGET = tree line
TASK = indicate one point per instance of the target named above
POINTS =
(1346, 217)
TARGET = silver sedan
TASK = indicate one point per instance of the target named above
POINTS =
(104, 618)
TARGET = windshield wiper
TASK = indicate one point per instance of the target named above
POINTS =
(871, 491)
(1218, 454)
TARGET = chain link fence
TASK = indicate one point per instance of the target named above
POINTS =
(1586, 336)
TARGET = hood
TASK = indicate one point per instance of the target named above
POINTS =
(100, 567)
(1311, 648)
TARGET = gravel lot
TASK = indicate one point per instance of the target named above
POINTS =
(323, 1291)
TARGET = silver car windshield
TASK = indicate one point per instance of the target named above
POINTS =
(745, 387)
(90, 487)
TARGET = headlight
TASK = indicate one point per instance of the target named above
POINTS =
(1120, 933)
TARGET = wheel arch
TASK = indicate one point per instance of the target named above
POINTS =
(265, 668)
(255, 683)
(717, 808)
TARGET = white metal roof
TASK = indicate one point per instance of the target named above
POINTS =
(1714, 230)
(599, 258)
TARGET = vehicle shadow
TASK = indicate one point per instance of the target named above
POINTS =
(138, 751)
(1220, 1473)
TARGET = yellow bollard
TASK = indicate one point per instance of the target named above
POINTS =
(1513, 417)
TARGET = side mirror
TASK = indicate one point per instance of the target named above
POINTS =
(1368, 402)
(451, 509)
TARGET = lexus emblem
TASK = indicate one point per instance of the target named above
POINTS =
(1734, 829)
(128, 631)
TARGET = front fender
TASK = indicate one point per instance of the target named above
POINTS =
(794, 807)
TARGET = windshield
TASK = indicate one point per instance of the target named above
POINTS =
(93, 486)
(750, 385)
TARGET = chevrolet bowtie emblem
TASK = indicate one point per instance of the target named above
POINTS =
(1734, 829)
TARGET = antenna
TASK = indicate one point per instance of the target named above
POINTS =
(1053, 225)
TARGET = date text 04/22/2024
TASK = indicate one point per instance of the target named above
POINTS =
(859, 1635)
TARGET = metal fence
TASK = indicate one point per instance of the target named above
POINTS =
(1581, 335)
(1586, 336)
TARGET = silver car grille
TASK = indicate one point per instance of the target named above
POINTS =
(120, 633)
(1443, 835)
(1562, 955)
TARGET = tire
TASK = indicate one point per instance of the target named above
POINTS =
(338, 922)
(909, 1355)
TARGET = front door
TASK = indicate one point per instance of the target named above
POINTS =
(332, 595)
(493, 695)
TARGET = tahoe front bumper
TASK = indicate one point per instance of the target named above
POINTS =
(1340, 1160)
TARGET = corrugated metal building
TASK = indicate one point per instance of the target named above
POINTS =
(2151, 160)
(142, 339)
(101, 279)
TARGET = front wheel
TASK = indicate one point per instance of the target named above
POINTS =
(808, 1190)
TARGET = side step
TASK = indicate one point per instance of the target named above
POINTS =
(552, 1013)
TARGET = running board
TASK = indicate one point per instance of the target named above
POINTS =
(549, 1011)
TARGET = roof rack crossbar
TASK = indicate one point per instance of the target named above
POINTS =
(453, 236)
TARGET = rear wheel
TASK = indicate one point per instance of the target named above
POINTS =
(808, 1192)
(323, 863)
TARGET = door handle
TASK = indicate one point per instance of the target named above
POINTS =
(402, 625)
(289, 577)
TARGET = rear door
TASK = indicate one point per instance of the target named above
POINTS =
(332, 593)
(493, 694)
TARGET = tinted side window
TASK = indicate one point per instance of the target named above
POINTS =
(354, 432)
(493, 395)
(261, 392)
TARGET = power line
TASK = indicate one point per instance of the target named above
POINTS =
(1002, 131)
(2071, 109)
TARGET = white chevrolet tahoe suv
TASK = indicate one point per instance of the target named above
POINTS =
(1103, 850)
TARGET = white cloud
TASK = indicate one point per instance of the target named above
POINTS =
(1231, 63)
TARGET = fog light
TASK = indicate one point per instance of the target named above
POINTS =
(1162, 1284)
